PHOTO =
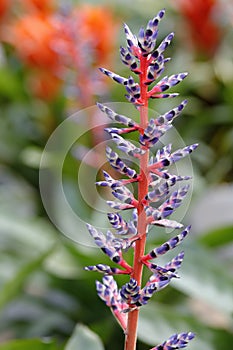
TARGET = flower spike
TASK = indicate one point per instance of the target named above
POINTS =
(153, 195)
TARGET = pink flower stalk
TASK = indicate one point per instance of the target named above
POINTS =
(155, 200)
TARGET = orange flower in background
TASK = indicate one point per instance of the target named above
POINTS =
(201, 17)
(4, 6)
(97, 26)
(33, 38)
(43, 84)
(42, 6)
(53, 42)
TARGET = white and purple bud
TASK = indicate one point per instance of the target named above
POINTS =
(167, 246)
(176, 341)
(117, 163)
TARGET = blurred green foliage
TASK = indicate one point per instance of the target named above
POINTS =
(44, 290)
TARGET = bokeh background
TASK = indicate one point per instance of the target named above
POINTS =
(50, 52)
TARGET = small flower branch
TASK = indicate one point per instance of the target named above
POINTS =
(154, 184)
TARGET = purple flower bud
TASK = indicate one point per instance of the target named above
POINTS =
(166, 223)
(121, 226)
(110, 245)
(165, 84)
(169, 245)
(175, 200)
(160, 271)
(176, 341)
(132, 42)
(124, 194)
(107, 270)
(115, 77)
(117, 117)
(126, 146)
(183, 152)
(129, 60)
(162, 47)
(155, 70)
(108, 292)
(156, 95)
(133, 89)
(120, 206)
(153, 133)
(109, 181)
(175, 263)
(130, 292)
(152, 286)
(119, 165)
(171, 115)
(158, 193)
(103, 269)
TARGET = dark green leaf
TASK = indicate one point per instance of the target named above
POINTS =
(217, 237)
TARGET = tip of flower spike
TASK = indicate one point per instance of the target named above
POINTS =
(162, 13)
(100, 105)
(89, 227)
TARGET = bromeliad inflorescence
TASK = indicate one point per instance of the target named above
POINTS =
(158, 193)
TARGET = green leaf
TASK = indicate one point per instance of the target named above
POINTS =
(83, 338)
(219, 236)
(13, 286)
(10, 86)
(29, 344)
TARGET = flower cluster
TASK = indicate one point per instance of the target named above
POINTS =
(158, 193)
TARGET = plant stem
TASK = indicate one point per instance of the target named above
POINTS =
(131, 332)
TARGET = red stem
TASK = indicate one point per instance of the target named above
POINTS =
(131, 331)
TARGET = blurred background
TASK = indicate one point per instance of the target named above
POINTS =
(50, 52)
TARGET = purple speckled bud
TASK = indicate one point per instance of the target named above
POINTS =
(165, 84)
(115, 77)
(115, 117)
(119, 165)
(169, 245)
(176, 341)
(107, 243)
(129, 60)
(130, 292)
(132, 41)
(127, 146)
(173, 202)
(162, 47)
